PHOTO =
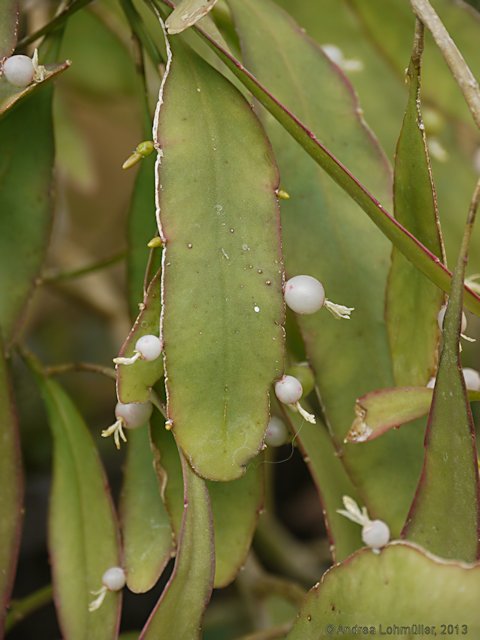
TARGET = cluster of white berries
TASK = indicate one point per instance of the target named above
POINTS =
(20, 71)
(375, 533)
(134, 414)
(128, 416)
(113, 579)
(304, 295)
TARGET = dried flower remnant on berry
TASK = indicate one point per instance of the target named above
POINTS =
(305, 295)
(148, 347)
(289, 391)
(375, 533)
(129, 416)
(113, 579)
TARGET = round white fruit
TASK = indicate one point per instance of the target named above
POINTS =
(149, 347)
(19, 71)
(276, 433)
(441, 317)
(375, 534)
(472, 379)
(133, 414)
(304, 294)
(114, 578)
(288, 390)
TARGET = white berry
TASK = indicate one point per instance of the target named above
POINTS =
(472, 379)
(133, 414)
(304, 294)
(114, 578)
(19, 71)
(375, 534)
(277, 432)
(288, 390)
(149, 347)
(441, 317)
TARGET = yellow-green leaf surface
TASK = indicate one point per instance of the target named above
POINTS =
(413, 302)
(83, 538)
(11, 490)
(147, 534)
(26, 162)
(187, 13)
(222, 267)
(331, 480)
(445, 515)
(235, 505)
(325, 236)
(413, 250)
(402, 586)
(181, 607)
(8, 27)
(134, 381)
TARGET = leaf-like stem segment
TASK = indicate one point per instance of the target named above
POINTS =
(21, 609)
(54, 24)
(414, 251)
(459, 68)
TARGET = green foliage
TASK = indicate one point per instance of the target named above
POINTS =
(402, 585)
(258, 164)
(221, 281)
(413, 303)
(11, 489)
(83, 538)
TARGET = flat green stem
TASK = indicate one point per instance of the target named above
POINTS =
(20, 609)
(456, 62)
(419, 255)
(55, 23)
(88, 367)
(57, 276)
(138, 29)
(278, 547)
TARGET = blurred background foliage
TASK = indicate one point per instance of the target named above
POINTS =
(98, 122)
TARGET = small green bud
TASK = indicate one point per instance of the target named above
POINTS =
(145, 148)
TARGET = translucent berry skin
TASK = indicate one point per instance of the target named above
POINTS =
(114, 578)
(304, 294)
(277, 432)
(288, 390)
(376, 534)
(19, 71)
(472, 379)
(149, 346)
(133, 414)
(441, 317)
